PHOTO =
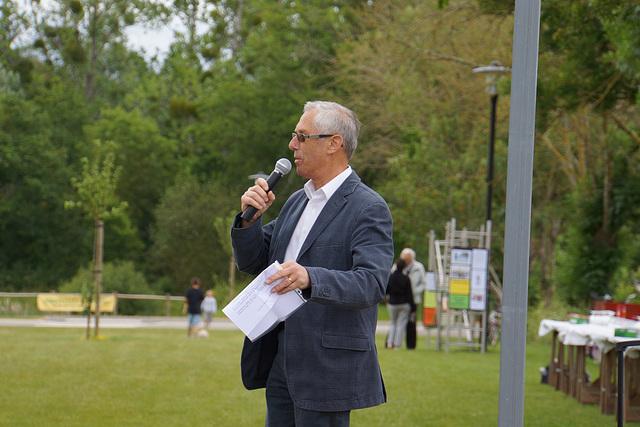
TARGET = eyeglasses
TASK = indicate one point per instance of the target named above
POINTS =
(301, 136)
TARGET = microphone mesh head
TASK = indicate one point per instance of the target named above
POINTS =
(283, 166)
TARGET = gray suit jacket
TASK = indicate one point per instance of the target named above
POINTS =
(331, 359)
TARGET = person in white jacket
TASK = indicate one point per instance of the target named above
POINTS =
(415, 271)
(209, 307)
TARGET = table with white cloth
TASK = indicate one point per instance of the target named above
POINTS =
(567, 371)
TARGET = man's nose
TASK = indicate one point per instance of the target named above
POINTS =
(294, 144)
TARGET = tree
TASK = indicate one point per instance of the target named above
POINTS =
(84, 38)
(12, 23)
(186, 243)
(222, 224)
(147, 160)
(587, 89)
(588, 36)
(40, 244)
(235, 118)
(97, 197)
(407, 71)
(587, 105)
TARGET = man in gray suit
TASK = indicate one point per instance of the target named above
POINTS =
(334, 241)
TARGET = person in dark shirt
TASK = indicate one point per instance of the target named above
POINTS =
(192, 303)
(399, 304)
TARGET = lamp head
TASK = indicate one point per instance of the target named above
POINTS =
(492, 73)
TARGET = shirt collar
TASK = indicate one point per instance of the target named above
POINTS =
(330, 187)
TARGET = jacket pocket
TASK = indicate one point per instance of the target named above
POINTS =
(346, 342)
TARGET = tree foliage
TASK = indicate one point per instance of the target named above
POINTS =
(588, 109)
(40, 241)
(97, 188)
(146, 159)
(189, 129)
(186, 243)
(408, 72)
(83, 39)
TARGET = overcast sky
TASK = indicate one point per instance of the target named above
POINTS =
(153, 41)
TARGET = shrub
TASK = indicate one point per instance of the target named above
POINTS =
(121, 277)
(556, 310)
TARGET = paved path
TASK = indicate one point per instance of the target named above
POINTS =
(122, 322)
(111, 322)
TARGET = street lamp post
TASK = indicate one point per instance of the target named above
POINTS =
(492, 73)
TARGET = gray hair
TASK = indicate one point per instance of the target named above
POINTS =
(408, 251)
(335, 118)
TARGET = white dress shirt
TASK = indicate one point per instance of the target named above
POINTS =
(317, 200)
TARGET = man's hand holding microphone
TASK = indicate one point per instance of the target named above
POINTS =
(257, 199)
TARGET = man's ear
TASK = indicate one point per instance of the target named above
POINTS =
(335, 144)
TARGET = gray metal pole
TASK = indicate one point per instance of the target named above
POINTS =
(518, 212)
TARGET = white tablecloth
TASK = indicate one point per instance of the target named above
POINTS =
(599, 332)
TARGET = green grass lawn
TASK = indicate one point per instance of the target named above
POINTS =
(154, 377)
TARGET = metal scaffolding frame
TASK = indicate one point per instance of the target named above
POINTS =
(450, 320)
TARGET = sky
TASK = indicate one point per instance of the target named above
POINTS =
(152, 41)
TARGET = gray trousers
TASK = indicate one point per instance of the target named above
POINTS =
(399, 314)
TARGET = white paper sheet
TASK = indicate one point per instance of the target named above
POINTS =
(256, 310)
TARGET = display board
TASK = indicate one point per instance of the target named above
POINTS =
(468, 279)
(429, 300)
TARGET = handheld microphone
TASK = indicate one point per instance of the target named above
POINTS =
(283, 166)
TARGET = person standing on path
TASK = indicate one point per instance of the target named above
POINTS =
(210, 307)
(415, 271)
(192, 306)
(399, 304)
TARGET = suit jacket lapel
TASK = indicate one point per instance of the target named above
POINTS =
(330, 210)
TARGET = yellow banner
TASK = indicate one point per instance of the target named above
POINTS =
(73, 302)
(459, 286)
